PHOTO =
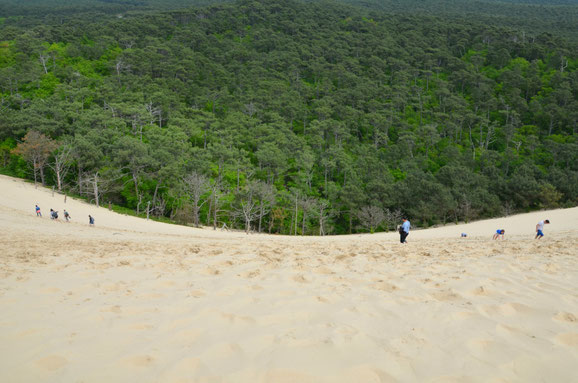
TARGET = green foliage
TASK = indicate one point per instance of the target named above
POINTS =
(444, 117)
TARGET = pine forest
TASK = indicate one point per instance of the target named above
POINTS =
(294, 117)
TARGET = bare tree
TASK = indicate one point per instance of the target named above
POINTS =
(120, 66)
(195, 186)
(324, 215)
(36, 148)
(98, 183)
(392, 218)
(307, 205)
(294, 217)
(154, 112)
(61, 163)
(43, 60)
(250, 109)
(371, 217)
(247, 207)
(266, 195)
(217, 202)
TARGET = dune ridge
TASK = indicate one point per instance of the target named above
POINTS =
(137, 300)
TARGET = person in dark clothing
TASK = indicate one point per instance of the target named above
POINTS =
(90, 220)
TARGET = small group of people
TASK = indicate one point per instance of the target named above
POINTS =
(67, 217)
(54, 215)
(499, 234)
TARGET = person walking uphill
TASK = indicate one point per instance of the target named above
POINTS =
(404, 230)
(540, 228)
(38, 213)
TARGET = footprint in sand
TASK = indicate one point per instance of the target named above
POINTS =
(514, 308)
(300, 279)
(257, 287)
(324, 270)
(238, 319)
(112, 309)
(385, 286)
(211, 271)
(197, 293)
(250, 274)
(446, 295)
(479, 291)
(462, 315)
(166, 284)
(568, 339)
(52, 362)
(508, 309)
(565, 317)
(505, 330)
(141, 326)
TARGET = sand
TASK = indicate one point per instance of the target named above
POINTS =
(131, 300)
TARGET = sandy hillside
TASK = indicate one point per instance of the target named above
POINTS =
(131, 300)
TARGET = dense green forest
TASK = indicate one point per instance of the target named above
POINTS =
(295, 117)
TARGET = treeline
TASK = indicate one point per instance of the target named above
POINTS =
(47, 11)
(294, 118)
(530, 16)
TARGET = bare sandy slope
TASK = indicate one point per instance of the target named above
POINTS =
(131, 300)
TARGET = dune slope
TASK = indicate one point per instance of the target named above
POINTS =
(136, 300)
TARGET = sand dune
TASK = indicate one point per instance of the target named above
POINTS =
(134, 300)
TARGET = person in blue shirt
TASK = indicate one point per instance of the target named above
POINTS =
(499, 234)
(404, 230)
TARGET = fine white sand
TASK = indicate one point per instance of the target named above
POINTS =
(131, 300)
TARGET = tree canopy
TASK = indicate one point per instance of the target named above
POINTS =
(296, 117)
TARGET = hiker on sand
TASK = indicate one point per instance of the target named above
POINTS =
(90, 220)
(66, 216)
(38, 213)
(404, 230)
(540, 228)
(53, 215)
(499, 233)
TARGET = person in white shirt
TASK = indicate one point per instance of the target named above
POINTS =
(539, 228)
